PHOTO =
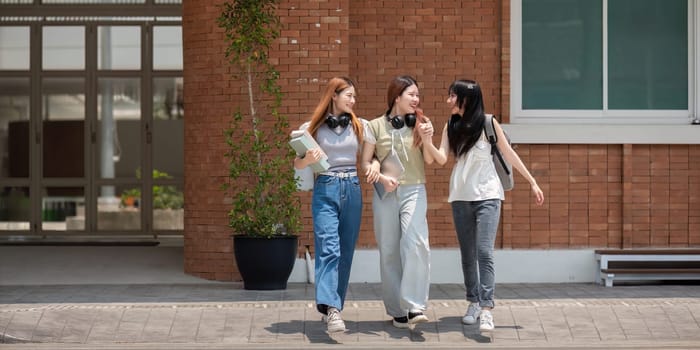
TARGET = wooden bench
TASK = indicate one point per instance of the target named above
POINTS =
(647, 265)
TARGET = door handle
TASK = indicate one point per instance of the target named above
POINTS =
(149, 133)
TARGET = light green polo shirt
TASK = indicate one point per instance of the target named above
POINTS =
(403, 140)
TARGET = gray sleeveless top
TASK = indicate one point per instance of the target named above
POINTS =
(341, 149)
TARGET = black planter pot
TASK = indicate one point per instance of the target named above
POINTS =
(265, 263)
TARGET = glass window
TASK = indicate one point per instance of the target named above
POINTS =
(118, 208)
(168, 100)
(14, 48)
(63, 47)
(14, 127)
(562, 54)
(168, 126)
(119, 127)
(14, 208)
(648, 54)
(63, 209)
(563, 62)
(167, 48)
(93, 1)
(63, 99)
(119, 47)
(63, 116)
(168, 204)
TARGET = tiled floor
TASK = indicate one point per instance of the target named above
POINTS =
(220, 315)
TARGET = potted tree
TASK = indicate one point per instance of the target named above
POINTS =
(264, 213)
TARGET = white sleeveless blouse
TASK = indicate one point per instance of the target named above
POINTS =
(474, 176)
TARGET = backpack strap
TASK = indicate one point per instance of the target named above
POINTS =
(490, 131)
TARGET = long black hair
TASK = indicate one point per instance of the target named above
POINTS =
(464, 130)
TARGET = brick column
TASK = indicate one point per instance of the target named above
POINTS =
(313, 47)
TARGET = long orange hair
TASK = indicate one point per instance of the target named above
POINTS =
(335, 86)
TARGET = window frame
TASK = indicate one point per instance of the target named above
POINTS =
(92, 181)
(583, 126)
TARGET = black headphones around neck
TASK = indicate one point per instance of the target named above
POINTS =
(342, 120)
(398, 121)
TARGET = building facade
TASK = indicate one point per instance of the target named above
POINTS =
(599, 97)
(91, 121)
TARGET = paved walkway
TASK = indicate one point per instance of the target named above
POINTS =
(224, 316)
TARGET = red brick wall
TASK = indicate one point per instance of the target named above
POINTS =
(596, 195)
(619, 196)
(208, 97)
(436, 42)
(314, 49)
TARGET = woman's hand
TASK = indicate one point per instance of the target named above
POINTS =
(372, 172)
(313, 156)
(426, 131)
(390, 183)
(539, 195)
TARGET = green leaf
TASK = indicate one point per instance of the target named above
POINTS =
(261, 181)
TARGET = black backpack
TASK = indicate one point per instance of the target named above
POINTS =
(503, 168)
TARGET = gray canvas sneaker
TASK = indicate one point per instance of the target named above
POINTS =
(472, 314)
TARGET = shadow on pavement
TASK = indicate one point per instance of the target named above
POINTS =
(300, 292)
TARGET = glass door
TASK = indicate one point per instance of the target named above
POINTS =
(91, 129)
(167, 119)
(15, 130)
(62, 137)
(118, 128)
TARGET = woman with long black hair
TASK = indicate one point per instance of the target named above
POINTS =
(475, 193)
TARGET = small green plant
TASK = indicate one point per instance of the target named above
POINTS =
(261, 182)
(164, 197)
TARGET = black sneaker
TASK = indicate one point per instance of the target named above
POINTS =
(417, 317)
(400, 322)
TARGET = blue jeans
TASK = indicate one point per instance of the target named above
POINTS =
(336, 207)
(476, 224)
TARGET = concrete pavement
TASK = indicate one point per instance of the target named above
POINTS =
(225, 316)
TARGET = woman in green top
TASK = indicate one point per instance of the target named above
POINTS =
(400, 223)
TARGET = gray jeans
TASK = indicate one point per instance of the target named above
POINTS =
(401, 230)
(476, 224)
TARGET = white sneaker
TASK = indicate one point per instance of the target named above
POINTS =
(486, 318)
(334, 323)
(472, 314)
(417, 317)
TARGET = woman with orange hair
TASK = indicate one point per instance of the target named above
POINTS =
(400, 223)
(336, 203)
